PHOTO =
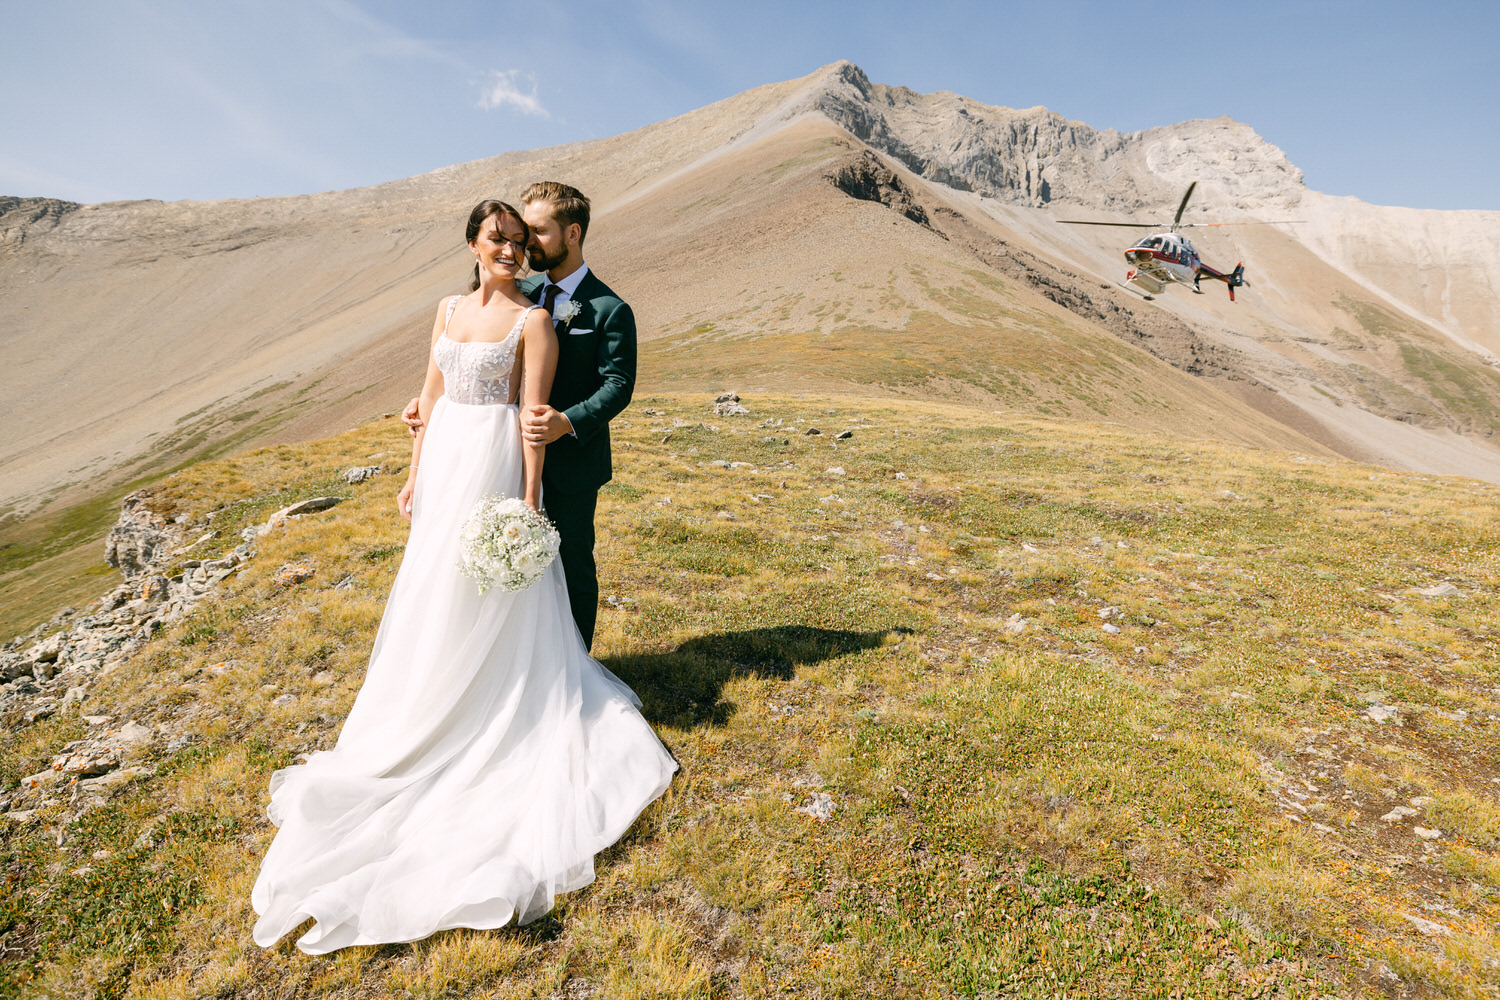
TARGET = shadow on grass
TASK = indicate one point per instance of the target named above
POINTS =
(684, 687)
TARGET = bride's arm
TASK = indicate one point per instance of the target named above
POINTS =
(432, 388)
(538, 365)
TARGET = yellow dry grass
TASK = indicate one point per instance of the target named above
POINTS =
(1090, 706)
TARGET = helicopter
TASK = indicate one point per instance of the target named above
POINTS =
(1159, 259)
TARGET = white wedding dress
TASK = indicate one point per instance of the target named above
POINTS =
(487, 758)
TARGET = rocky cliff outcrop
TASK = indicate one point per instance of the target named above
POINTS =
(140, 538)
(863, 176)
(1036, 157)
(53, 666)
(22, 217)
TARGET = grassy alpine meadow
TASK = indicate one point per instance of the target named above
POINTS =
(966, 705)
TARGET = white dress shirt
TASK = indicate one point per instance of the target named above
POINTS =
(565, 290)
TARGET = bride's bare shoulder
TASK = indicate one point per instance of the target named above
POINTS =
(538, 324)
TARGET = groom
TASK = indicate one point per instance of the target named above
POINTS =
(594, 380)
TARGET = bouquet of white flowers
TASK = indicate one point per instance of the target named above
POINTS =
(506, 544)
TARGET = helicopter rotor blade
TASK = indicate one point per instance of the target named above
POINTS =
(1271, 222)
(1132, 225)
(1180, 208)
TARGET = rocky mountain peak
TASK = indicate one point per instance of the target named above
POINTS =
(1037, 157)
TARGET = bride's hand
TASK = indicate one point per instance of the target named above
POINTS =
(412, 415)
(403, 500)
(535, 503)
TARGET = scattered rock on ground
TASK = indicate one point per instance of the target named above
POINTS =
(1429, 927)
(1443, 589)
(359, 473)
(299, 508)
(728, 405)
(820, 806)
(294, 573)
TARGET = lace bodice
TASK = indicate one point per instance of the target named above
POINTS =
(477, 373)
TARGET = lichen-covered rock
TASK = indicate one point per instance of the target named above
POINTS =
(153, 589)
(293, 573)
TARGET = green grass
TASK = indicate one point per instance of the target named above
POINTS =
(1062, 811)
(1439, 388)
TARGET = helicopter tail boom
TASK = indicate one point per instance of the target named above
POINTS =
(1234, 279)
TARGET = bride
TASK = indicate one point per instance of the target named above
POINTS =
(487, 758)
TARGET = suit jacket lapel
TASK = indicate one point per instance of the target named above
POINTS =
(588, 288)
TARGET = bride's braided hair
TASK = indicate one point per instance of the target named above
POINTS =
(485, 210)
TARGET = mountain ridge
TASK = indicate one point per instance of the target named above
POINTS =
(192, 325)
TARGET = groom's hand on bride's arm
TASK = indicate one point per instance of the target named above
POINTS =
(541, 424)
(411, 416)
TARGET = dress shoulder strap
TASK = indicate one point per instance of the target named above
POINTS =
(522, 321)
(452, 305)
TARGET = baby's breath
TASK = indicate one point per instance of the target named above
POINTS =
(506, 544)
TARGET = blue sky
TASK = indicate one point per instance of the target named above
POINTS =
(1392, 102)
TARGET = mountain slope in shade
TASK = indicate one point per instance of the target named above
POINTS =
(825, 232)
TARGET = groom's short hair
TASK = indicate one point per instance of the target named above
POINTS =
(568, 203)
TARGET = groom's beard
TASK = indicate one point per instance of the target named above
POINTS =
(541, 262)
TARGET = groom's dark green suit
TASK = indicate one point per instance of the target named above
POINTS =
(594, 380)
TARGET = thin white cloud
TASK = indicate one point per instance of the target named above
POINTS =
(255, 129)
(380, 38)
(502, 90)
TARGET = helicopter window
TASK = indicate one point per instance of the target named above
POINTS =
(1154, 241)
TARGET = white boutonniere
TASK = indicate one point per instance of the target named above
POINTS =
(568, 311)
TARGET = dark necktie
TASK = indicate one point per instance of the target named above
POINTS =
(549, 297)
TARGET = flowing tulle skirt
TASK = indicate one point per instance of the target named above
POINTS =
(488, 757)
